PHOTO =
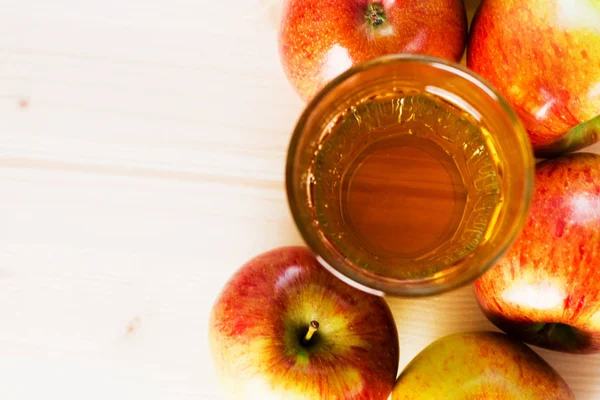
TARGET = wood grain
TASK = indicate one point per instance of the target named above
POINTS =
(142, 149)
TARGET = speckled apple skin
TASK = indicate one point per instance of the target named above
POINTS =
(544, 57)
(358, 354)
(319, 39)
(479, 366)
(552, 272)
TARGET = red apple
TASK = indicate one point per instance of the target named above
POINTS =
(544, 57)
(283, 327)
(479, 365)
(319, 39)
(546, 290)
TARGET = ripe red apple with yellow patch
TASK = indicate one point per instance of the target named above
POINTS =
(319, 39)
(546, 290)
(285, 328)
(544, 57)
(479, 366)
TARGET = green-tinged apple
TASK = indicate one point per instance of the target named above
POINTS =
(546, 290)
(285, 328)
(319, 39)
(544, 57)
(479, 366)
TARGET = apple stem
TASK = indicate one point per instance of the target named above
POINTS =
(375, 15)
(312, 328)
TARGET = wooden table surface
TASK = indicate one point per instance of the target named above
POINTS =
(142, 148)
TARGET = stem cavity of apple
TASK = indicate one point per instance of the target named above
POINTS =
(312, 328)
(555, 335)
(375, 15)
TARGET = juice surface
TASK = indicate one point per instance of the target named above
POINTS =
(405, 184)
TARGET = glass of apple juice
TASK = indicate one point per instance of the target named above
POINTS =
(409, 176)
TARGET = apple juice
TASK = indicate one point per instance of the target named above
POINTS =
(405, 182)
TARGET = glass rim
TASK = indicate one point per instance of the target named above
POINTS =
(382, 285)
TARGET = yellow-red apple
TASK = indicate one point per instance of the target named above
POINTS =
(544, 57)
(546, 290)
(319, 39)
(479, 366)
(285, 328)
